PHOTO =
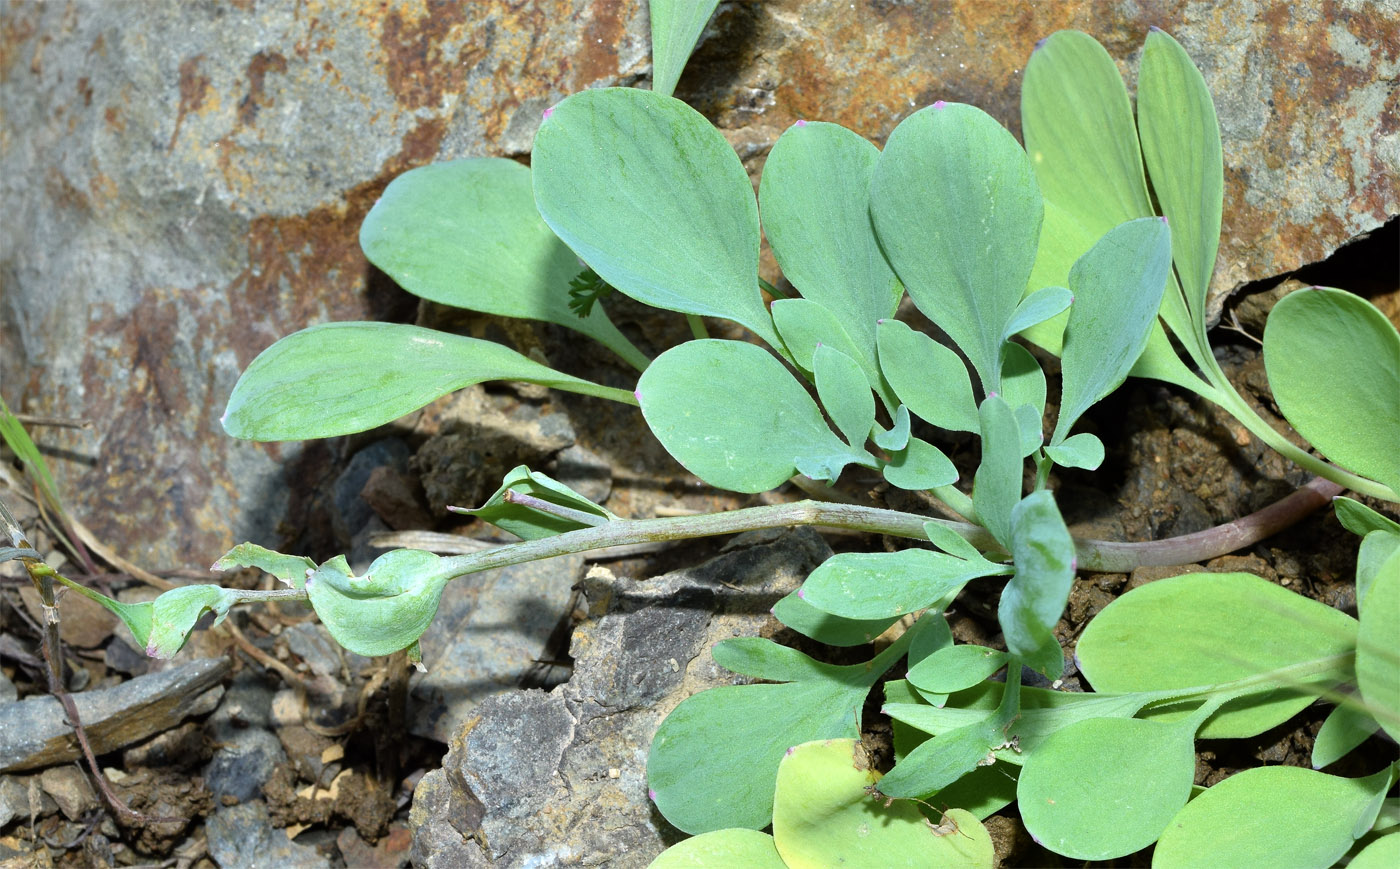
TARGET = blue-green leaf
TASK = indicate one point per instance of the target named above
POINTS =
(341, 378)
(529, 523)
(652, 196)
(955, 667)
(920, 465)
(1081, 450)
(871, 585)
(1031, 604)
(826, 628)
(733, 416)
(897, 437)
(385, 610)
(291, 569)
(676, 26)
(845, 394)
(467, 233)
(997, 485)
(1036, 308)
(929, 378)
(958, 214)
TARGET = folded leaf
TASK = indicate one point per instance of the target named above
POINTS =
(1033, 600)
(529, 523)
(385, 610)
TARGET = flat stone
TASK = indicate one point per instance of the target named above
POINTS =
(8, 692)
(559, 776)
(311, 642)
(33, 732)
(244, 760)
(243, 836)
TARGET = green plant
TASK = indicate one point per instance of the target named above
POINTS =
(1058, 243)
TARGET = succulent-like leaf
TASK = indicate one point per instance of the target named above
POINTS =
(815, 202)
(958, 214)
(651, 195)
(467, 233)
(929, 378)
(341, 378)
(291, 569)
(919, 465)
(1271, 816)
(1333, 362)
(719, 849)
(826, 628)
(1377, 658)
(845, 394)
(997, 485)
(1106, 787)
(1208, 628)
(1031, 604)
(1117, 290)
(676, 26)
(1036, 308)
(804, 324)
(871, 585)
(1346, 727)
(824, 814)
(162, 626)
(733, 416)
(955, 667)
(1082, 450)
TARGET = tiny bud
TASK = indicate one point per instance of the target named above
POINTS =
(1074, 564)
(791, 750)
(801, 123)
(651, 794)
(547, 112)
(991, 395)
(1040, 43)
(1155, 29)
(1163, 218)
(939, 105)
(637, 393)
(879, 321)
(802, 593)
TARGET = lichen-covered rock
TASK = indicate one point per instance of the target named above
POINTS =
(559, 778)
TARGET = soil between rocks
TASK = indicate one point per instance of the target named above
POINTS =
(323, 749)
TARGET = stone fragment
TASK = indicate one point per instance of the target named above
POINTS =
(244, 760)
(243, 836)
(585, 472)
(8, 692)
(390, 852)
(69, 787)
(82, 623)
(311, 642)
(540, 764)
(351, 510)
(33, 732)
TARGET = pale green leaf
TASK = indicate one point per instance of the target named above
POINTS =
(958, 214)
(651, 195)
(722, 849)
(1377, 654)
(955, 667)
(291, 569)
(845, 394)
(1081, 450)
(529, 523)
(467, 233)
(1033, 600)
(826, 628)
(676, 26)
(997, 484)
(385, 610)
(871, 585)
(920, 465)
(341, 378)
(929, 378)
(1346, 727)
(1036, 308)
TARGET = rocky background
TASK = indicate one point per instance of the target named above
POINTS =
(183, 184)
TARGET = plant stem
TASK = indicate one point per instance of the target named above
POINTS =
(697, 326)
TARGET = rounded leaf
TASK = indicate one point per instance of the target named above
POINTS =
(1106, 787)
(722, 849)
(1207, 628)
(1333, 362)
(1377, 658)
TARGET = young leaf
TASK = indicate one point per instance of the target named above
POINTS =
(1081, 450)
(870, 585)
(1333, 360)
(826, 628)
(955, 668)
(1361, 520)
(733, 416)
(958, 215)
(467, 233)
(1382, 853)
(162, 626)
(803, 325)
(341, 378)
(720, 848)
(815, 201)
(652, 196)
(928, 377)
(291, 569)
(950, 541)
(1270, 816)
(1106, 787)
(930, 633)
(1117, 290)
(714, 760)
(1377, 660)
(1023, 388)
(529, 523)
(1043, 553)
(897, 437)
(676, 26)
(1208, 628)
(845, 394)
(1181, 145)
(920, 465)
(764, 659)
(824, 814)
(997, 485)
(385, 610)
(1346, 727)
(1376, 549)
(1036, 308)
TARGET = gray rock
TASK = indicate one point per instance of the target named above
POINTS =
(244, 760)
(490, 632)
(311, 642)
(351, 511)
(242, 837)
(68, 785)
(8, 692)
(560, 776)
(585, 472)
(444, 818)
(34, 732)
(247, 704)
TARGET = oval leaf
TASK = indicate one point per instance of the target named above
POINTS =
(870, 585)
(1377, 660)
(652, 196)
(1208, 628)
(929, 378)
(722, 849)
(1333, 360)
(341, 378)
(385, 610)
(734, 417)
(676, 26)
(958, 214)
(955, 667)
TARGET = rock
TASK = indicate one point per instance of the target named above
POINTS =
(396, 498)
(242, 836)
(390, 852)
(560, 776)
(82, 622)
(246, 704)
(311, 642)
(15, 797)
(491, 629)
(33, 732)
(585, 472)
(8, 692)
(184, 747)
(243, 761)
(352, 511)
(68, 785)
